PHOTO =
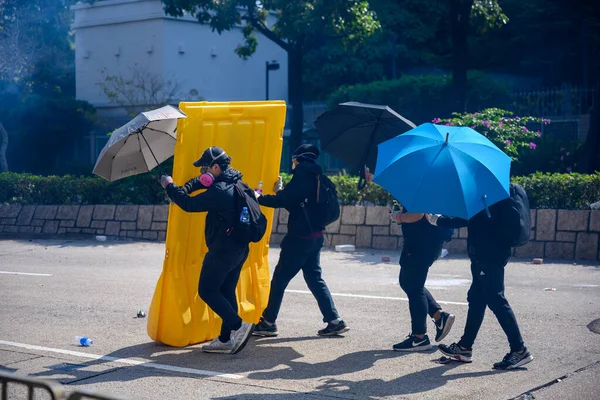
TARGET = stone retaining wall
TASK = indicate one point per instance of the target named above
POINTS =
(556, 234)
(136, 222)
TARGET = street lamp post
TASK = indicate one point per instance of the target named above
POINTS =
(270, 66)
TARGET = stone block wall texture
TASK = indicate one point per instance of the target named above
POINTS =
(137, 222)
(555, 234)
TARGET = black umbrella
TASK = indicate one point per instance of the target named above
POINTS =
(352, 131)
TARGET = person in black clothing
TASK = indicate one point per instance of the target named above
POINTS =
(489, 255)
(301, 247)
(422, 246)
(223, 263)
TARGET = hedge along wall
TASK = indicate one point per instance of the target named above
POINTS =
(555, 234)
(559, 191)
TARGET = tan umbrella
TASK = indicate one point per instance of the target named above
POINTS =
(139, 145)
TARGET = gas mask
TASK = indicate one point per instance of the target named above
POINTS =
(206, 178)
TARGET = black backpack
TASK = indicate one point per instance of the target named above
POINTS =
(255, 230)
(516, 217)
(326, 209)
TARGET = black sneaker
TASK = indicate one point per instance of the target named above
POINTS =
(515, 359)
(334, 329)
(456, 352)
(264, 329)
(445, 324)
(413, 343)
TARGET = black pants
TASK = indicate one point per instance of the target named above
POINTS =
(300, 254)
(487, 289)
(218, 279)
(414, 266)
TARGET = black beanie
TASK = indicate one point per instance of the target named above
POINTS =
(307, 152)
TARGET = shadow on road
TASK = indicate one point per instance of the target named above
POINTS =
(268, 360)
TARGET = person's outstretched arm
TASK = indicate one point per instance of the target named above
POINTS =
(179, 195)
(292, 195)
(193, 185)
(447, 222)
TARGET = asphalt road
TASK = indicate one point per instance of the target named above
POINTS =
(65, 289)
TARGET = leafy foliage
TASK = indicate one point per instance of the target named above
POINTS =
(422, 98)
(487, 14)
(290, 24)
(510, 133)
(33, 189)
(295, 26)
(561, 191)
(568, 191)
(522, 139)
(44, 121)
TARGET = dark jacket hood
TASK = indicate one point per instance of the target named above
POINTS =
(230, 175)
(308, 167)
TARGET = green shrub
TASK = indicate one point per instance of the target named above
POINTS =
(510, 133)
(565, 191)
(421, 98)
(34, 189)
(562, 191)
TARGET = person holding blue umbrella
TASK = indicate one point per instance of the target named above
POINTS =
(489, 255)
(423, 243)
(461, 179)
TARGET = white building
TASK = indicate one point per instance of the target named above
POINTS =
(113, 37)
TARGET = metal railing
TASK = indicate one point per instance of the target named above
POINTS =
(14, 386)
(561, 101)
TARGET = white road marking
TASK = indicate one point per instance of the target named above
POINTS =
(138, 363)
(362, 296)
(23, 273)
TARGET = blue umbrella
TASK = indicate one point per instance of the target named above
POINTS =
(447, 170)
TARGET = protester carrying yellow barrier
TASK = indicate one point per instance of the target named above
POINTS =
(223, 263)
(301, 246)
(251, 134)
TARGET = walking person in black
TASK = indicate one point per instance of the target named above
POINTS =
(226, 256)
(301, 247)
(489, 254)
(422, 246)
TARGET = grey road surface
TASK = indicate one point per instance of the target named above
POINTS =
(69, 288)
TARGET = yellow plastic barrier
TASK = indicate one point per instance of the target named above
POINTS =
(252, 134)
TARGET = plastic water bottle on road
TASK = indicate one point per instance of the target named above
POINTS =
(83, 341)
(245, 216)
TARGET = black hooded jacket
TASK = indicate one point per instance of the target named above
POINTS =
(484, 241)
(301, 189)
(218, 201)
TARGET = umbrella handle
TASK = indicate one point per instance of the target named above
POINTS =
(362, 182)
(487, 209)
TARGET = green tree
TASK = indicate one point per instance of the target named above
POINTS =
(555, 42)
(415, 35)
(51, 122)
(299, 27)
(40, 115)
(408, 39)
(467, 17)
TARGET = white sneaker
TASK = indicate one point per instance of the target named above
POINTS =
(241, 336)
(216, 346)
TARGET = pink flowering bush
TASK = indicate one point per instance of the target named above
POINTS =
(510, 133)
